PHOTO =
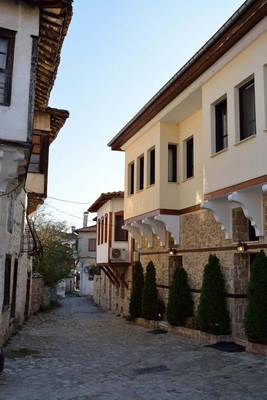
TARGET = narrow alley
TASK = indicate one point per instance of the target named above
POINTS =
(80, 353)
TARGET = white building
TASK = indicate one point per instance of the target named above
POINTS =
(112, 287)
(86, 249)
(28, 67)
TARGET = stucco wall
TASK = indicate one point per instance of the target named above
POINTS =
(19, 17)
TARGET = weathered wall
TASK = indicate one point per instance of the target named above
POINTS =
(10, 244)
(37, 293)
(111, 297)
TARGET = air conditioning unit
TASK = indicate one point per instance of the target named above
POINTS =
(119, 255)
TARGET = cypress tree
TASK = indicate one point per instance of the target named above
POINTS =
(150, 299)
(135, 307)
(212, 314)
(256, 312)
(180, 303)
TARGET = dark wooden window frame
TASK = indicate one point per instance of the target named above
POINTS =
(141, 172)
(131, 178)
(172, 162)
(244, 129)
(98, 231)
(10, 36)
(151, 166)
(106, 228)
(102, 230)
(91, 244)
(120, 235)
(189, 158)
(221, 134)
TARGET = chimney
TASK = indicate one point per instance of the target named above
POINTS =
(85, 219)
(73, 229)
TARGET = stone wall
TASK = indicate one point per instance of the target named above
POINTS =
(200, 236)
(11, 231)
(37, 293)
(113, 297)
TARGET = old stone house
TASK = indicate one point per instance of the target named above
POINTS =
(31, 37)
(113, 256)
(195, 162)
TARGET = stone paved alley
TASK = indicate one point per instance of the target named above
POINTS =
(85, 354)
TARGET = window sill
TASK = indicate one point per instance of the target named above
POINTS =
(245, 140)
(218, 152)
(188, 179)
(150, 186)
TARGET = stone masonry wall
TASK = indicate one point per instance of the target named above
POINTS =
(200, 236)
(37, 294)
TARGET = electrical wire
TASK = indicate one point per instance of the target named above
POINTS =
(67, 201)
(11, 191)
(64, 212)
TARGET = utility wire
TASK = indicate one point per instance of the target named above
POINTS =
(66, 201)
(63, 212)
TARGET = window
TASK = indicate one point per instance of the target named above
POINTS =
(98, 231)
(7, 41)
(189, 155)
(131, 178)
(102, 231)
(141, 171)
(247, 111)
(151, 166)
(92, 245)
(7, 282)
(252, 237)
(106, 228)
(172, 163)
(121, 235)
(221, 133)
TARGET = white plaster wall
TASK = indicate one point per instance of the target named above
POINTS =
(243, 160)
(24, 19)
(112, 206)
(86, 258)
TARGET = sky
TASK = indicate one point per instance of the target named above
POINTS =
(116, 56)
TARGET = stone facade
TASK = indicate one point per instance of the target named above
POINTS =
(15, 303)
(200, 236)
(37, 293)
(113, 297)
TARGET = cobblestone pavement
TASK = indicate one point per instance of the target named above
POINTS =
(85, 354)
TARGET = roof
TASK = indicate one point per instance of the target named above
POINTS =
(58, 119)
(86, 229)
(103, 198)
(241, 22)
(55, 17)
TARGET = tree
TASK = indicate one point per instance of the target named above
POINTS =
(150, 300)
(56, 260)
(212, 314)
(180, 303)
(256, 312)
(135, 307)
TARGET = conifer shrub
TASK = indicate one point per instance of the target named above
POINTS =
(135, 306)
(212, 313)
(161, 309)
(256, 311)
(150, 300)
(180, 303)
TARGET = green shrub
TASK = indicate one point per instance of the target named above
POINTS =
(135, 307)
(150, 294)
(212, 314)
(180, 303)
(256, 312)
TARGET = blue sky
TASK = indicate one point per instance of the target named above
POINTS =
(117, 54)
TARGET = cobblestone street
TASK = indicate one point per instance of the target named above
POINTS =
(82, 353)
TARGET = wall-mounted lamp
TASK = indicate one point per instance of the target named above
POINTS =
(173, 251)
(241, 247)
